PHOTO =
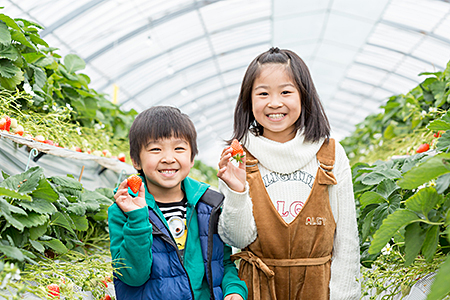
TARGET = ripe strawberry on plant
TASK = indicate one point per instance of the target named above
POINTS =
(121, 157)
(3, 124)
(237, 150)
(107, 297)
(53, 290)
(19, 130)
(134, 183)
(8, 123)
(422, 148)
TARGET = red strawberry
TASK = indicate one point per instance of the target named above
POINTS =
(134, 182)
(121, 157)
(105, 283)
(3, 124)
(53, 290)
(8, 123)
(19, 130)
(238, 151)
(423, 148)
(107, 297)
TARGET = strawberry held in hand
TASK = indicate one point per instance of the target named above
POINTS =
(134, 183)
(237, 150)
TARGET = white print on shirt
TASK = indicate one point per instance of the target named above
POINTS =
(315, 221)
(294, 208)
(299, 175)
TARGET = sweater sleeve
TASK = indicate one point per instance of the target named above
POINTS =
(131, 243)
(345, 266)
(237, 225)
(231, 284)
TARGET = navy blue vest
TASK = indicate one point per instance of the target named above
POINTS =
(168, 278)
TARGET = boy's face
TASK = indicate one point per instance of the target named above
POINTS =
(165, 163)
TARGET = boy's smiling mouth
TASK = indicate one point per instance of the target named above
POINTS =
(168, 171)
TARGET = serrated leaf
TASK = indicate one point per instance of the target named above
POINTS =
(371, 198)
(5, 175)
(424, 172)
(59, 219)
(56, 245)
(77, 208)
(45, 191)
(12, 252)
(40, 78)
(32, 177)
(387, 187)
(5, 35)
(423, 201)
(8, 52)
(444, 141)
(102, 214)
(414, 237)
(39, 205)
(66, 182)
(35, 38)
(431, 242)
(442, 183)
(38, 231)
(390, 225)
(440, 287)
(9, 21)
(32, 220)
(8, 69)
(96, 197)
(13, 194)
(81, 222)
(32, 57)
(37, 245)
(5, 211)
(11, 83)
(74, 63)
(66, 74)
(437, 125)
(20, 37)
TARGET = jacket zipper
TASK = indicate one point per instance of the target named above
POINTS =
(172, 242)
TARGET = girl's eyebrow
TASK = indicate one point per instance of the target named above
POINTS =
(281, 86)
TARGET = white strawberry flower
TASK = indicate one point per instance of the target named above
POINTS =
(387, 249)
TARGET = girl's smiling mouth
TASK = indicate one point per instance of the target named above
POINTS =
(276, 117)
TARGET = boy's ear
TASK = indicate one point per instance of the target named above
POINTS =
(136, 165)
(192, 163)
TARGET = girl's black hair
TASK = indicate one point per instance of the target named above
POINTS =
(160, 122)
(312, 118)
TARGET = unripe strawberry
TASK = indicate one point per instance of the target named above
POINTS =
(39, 138)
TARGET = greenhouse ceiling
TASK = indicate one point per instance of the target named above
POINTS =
(193, 54)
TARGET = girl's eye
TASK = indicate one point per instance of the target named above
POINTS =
(285, 92)
(263, 94)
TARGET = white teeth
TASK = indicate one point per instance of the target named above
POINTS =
(168, 171)
(276, 116)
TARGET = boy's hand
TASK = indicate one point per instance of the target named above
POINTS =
(233, 297)
(233, 176)
(125, 201)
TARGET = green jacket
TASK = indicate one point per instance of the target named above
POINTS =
(131, 242)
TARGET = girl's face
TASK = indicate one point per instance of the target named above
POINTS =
(276, 102)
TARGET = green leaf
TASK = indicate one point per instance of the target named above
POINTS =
(10, 22)
(444, 141)
(56, 245)
(11, 83)
(31, 178)
(81, 222)
(439, 124)
(13, 194)
(440, 287)
(66, 74)
(59, 219)
(20, 37)
(74, 63)
(9, 52)
(12, 252)
(390, 225)
(45, 191)
(5, 35)
(37, 245)
(423, 201)
(371, 198)
(431, 242)
(414, 237)
(377, 177)
(442, 183)
(35, 38)
(38, 231)
(77, 208)
(96, 197)
(38, 205)
(32, 220)
(387, 187)
(366, 225)
(6, 212)
(66, 182)
(8, 69)
(424, 172)
(33, 56)
(40, 78)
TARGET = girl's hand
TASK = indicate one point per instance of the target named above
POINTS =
(233, 297)
(233, 176)
(125, 201)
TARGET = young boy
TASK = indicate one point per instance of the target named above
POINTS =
(164, 242)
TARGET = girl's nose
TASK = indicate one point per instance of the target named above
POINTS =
(275, 103)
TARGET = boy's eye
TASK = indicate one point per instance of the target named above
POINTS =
(154, 149)
(180, 149)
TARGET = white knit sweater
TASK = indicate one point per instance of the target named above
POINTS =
(288, 171)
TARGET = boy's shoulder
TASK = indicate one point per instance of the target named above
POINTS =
(212, 198)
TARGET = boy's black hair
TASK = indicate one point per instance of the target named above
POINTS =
(160, 122)
(312, 118)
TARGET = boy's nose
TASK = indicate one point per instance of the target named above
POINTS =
(168, 159)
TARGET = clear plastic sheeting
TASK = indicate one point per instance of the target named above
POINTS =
(193, 54)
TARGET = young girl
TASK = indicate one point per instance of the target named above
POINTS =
(289, 205)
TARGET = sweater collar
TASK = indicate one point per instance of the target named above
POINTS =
(285, 157)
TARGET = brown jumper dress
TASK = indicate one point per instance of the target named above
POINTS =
(290, 261)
